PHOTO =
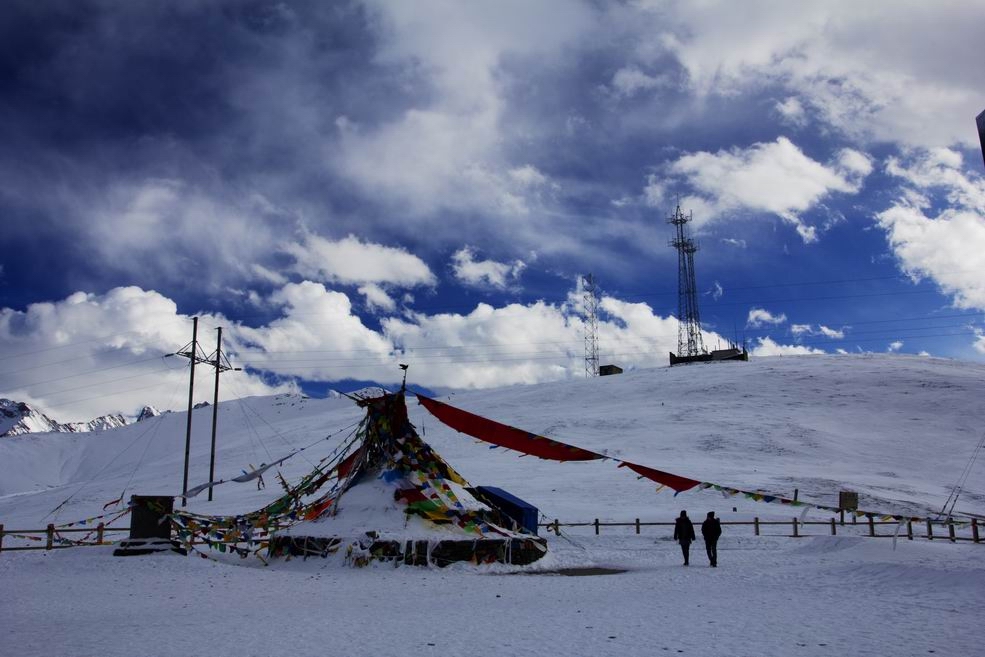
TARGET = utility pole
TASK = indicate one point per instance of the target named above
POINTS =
(591, 300)
(221, 364)
(192, 352)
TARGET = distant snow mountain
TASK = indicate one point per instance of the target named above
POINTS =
(18, 418)
(146, 413)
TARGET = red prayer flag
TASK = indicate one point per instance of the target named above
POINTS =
(678, 483)
(505, 435)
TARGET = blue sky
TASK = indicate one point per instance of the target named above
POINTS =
(345, 186)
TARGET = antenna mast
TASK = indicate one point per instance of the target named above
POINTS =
(688, 319)
(591, 299)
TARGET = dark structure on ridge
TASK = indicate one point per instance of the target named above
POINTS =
(690, 347)
(980, 120)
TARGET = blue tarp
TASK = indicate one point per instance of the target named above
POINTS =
(523, 513)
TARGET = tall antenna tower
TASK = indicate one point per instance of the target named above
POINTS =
(688, 319)
(591, 299)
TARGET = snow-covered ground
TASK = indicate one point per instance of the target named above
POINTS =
(898, 430)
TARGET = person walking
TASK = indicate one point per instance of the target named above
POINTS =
(711, 529)
(684, 534)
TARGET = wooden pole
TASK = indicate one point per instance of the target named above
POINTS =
(557, 526)
(596, 526)
(99, 533)
(834, 532)
(974, 530)
(909, 529)
(637, 525)
(1, 537)
(51, 537)
(191, 404)
(950, 530)
(841, 512)
(930, 531)
(215, 406)
(755, 525)
(872, 524)
(795, 534)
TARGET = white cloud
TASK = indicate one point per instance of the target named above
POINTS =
(731, 241)
(869, 72)
(717, 291)
(528, 175)
(480, 273)
(446, 151)
(352, 261)
(767, 347)
(318, 337)
(947, 246)
(895, 345)
(165, 227)
(629, 81)
(762, 317)
(979, 343)
(59, 355)
(828, 332)
(834, 334)
(89, 355)
(792, 111)
(377, 297)
(774, 177)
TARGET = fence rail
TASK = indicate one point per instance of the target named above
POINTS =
(919, 530)
(52, 537)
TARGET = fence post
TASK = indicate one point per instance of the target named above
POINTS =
(795, 534)
(637, 525)
(854, 518)
(950, 530)
(872, 524)
(557, 527)
(974, 530)
(51, 537)
(1, 536)
(842, 513)
(596, 526)
(755, 524)
(834, 532)
(930, 531)
(99, 533)
(909, 529)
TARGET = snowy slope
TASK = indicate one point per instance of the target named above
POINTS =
(899, 430)
(896, 429)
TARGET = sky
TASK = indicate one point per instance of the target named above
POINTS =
(343, 187)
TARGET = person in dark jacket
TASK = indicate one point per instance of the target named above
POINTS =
(684, 534)
(711, 529)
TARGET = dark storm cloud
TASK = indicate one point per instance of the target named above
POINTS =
(221, 101)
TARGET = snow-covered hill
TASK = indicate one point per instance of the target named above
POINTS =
(898, 430)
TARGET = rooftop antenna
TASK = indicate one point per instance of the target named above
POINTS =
(591, 299)
(689, 341)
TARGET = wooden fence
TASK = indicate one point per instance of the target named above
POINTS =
(52, 537)
(946, 529)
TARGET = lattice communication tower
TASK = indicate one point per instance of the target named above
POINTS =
(688, 318)
(591, 300)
